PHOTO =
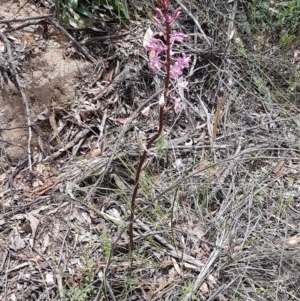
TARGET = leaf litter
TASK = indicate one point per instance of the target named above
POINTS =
(218, 211)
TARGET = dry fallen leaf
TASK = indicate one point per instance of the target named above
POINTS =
(45, 242)
(231, 31)
(278, 167)
(2, 47)
(147, 37)
(53, 124)
(119, 183)
(176, 266)
(218, 116)
(49, 279)
(16, 242)
(96, 152)
(34, 222)
(3, 177)
(212, 280)
(293, 240)
(204, 288)
(119, 120)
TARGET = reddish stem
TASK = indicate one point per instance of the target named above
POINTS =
(165, 10)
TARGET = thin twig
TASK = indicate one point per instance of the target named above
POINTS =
(60, 285)
(224, 175)
(195, 21)
(171, 250)
(6, 21)
(61, 28)
(5, 280)
(25, 24)
(219, 290)
(25, 207)
(206, 269)
(24, 97)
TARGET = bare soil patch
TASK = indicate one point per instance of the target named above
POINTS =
(48, 75)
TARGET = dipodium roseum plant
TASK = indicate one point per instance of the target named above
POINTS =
(164, 61)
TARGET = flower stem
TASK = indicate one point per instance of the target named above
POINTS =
(165, 11)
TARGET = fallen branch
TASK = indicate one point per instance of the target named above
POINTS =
(7, 21)
(25, 24)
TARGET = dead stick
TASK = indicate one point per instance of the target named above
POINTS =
(6, 21)
(25, 24)
(90, 57)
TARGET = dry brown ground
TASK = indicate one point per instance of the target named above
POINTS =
(218, 219)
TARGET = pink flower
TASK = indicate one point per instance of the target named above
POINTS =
(166, 17)
(156, 47)
(157, 21)
(183, 84)
(174, 18)
(177, 36)
(155, 62)
(146, 111)
(161, 100)
(175, 71)
(158, 51)
(176, 14)
(181, 62)
(178, 105)
(159, 12)
(164, 3)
